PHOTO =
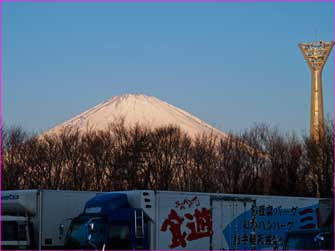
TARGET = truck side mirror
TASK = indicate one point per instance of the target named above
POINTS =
(91, 228)
(90, 231)
(61, 227)
(61, 231)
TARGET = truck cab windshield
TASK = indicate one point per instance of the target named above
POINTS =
(111, 236)
(14, 231)
(78, 233)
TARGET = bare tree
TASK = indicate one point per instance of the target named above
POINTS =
(319, 162)
(260, 160)
(12, 153)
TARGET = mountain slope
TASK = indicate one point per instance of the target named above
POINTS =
(141, 109)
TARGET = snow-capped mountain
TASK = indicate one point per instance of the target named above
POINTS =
(137, 108)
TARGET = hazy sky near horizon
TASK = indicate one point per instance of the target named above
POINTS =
(230, 64)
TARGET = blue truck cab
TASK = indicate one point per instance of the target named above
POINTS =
(109, 223)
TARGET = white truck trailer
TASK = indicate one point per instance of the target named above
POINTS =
(185, 220)
(35, 219)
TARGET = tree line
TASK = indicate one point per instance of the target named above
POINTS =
(260, 160)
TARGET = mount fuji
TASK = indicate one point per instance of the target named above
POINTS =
(138, 109)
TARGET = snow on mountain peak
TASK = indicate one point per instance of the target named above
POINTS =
(138, 109)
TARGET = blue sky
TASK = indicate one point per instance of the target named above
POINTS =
(230, 64)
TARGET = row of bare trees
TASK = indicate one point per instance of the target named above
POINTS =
(259, 161)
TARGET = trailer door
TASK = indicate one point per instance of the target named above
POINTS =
(227, 230)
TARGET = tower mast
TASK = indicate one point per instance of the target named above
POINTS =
(316, 54)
